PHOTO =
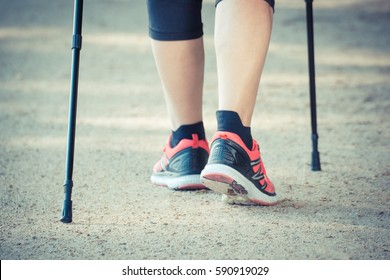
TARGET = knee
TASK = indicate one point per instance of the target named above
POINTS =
(171, 20)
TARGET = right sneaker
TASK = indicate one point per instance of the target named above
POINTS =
(237, 172)
(180, 166)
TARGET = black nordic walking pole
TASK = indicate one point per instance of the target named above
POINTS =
(315, 156)
(76, 47)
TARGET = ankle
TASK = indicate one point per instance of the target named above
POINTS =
(186, 131)
(230, 121)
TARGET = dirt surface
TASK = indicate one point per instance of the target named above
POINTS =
(342, 212)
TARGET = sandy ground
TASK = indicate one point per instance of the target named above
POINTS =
(341, 212)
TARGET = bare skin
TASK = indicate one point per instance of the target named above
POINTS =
(181, 68)
(242, 35)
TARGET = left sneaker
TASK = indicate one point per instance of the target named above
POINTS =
(179, 167)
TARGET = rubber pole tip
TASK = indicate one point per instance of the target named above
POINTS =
(67, 212)
(315, 161)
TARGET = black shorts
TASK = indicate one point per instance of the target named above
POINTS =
(173, 20)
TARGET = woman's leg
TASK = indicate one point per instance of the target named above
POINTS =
(235, 167)
(176, 30)
(242, 35)
(177, 43)
(181, 65)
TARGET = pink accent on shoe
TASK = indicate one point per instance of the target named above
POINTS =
(192, 187)
(232, 136)
(183, 144)
(263, 203)
(195, 142)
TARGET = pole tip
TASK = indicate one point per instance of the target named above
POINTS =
(315, 161)
(67, 212)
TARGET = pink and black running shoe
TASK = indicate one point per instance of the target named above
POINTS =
(237, 172)
(180, 166)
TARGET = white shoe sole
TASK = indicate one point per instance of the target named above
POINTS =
(235, 187)
(188, 182)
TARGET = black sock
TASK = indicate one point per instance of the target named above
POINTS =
(185, 132)
(230, 121)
